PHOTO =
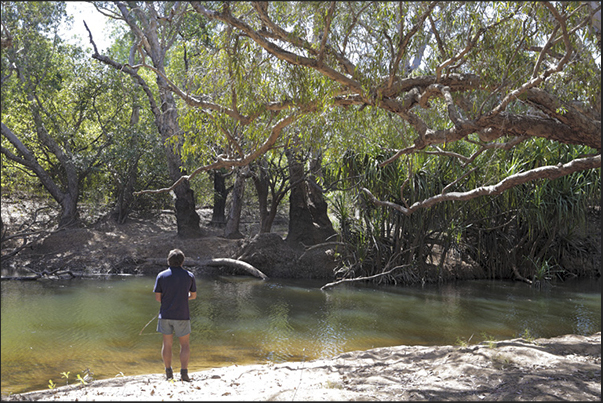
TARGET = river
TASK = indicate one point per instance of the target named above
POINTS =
(55, 327)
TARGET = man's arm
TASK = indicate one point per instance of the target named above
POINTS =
(192, 295)
(158, 296)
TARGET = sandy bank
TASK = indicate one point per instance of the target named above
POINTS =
(561, 368)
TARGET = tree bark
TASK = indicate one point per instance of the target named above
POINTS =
(186, 216)
(260, 181)
(69, 213)
(218, 218)
(309, 223)
(231, 231)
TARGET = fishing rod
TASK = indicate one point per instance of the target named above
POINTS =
(145, 326)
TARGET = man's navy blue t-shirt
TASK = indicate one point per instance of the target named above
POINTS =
(174, 284)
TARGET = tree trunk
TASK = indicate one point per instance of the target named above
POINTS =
(218, 218)
(309, 223)
(125, 186)
(269, 193)
(69, 213)
(166, 118)
(269, 219)
(234, 217)
(186, 216)
(260, 181)
(125, 196)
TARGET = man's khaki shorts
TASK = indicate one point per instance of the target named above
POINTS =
(172, 326)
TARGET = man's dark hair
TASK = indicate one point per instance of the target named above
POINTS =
(175, 258)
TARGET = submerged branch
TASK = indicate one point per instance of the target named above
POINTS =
(349, 280)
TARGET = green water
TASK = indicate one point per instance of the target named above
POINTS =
(50, 327)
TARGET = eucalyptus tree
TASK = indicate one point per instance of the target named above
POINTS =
(58, 110)
(492, 74)
(231, 123)
(135, 159)
(228, 123)
(441, 91)
(155, 28)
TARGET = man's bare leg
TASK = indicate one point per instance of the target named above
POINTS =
(166, 353)
(185, 353)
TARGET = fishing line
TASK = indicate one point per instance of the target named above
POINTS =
(300, 375)
(145, 326)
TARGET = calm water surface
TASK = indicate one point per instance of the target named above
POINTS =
(50, 327)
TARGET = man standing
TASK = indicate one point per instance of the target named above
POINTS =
(173, 288)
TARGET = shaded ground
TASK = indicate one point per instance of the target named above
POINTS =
(560, 368)
(140, 246)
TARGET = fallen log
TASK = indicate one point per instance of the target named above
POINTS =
(57, 277)
(54, 274)
(214, 262)
(20, 278)
(234, 263)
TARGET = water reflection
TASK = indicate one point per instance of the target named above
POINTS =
(53, 326)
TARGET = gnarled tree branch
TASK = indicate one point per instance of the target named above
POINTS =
(545, 172)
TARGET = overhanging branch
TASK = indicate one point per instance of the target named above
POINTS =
(545, 172)
(222, 163)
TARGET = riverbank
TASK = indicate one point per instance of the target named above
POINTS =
(560, 368)
(35, 248)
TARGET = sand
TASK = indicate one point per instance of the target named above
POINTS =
(561, 368)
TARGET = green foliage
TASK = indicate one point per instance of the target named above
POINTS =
(490, 340)
(82, 381)
(83, 107)
(527, 335)
(461, 342)
(88, 110)
(224, 66)
(542, 213)
(65, 375)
